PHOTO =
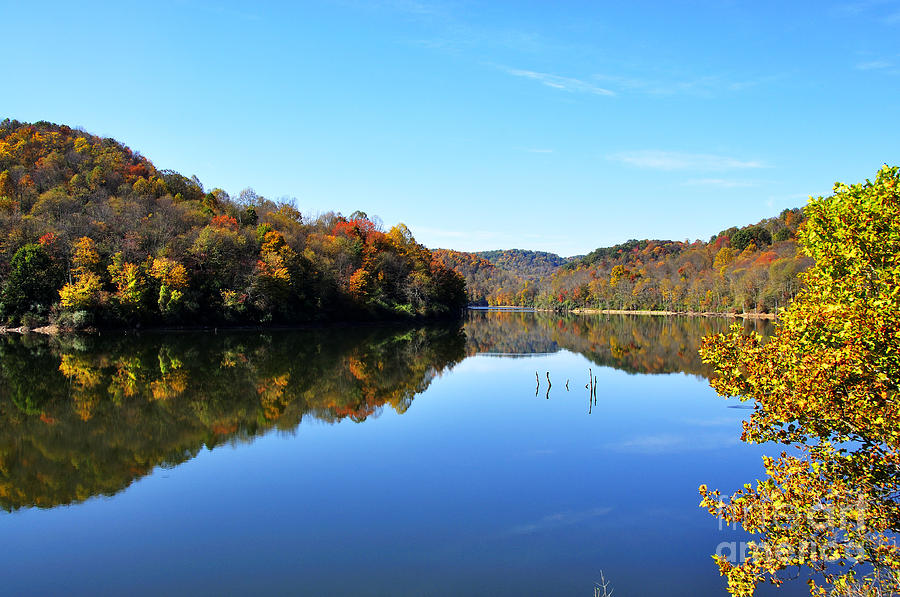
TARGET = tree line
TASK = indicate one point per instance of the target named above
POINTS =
(92, 233)
(749, 269)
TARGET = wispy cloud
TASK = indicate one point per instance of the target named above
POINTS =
(414, 8)
(675, 160)
(884, 11)
(452, 32)
(862, 6)
(707, 85)
(228, 12)
(558, 82)
(667, 443)
(712, 422)
(558, 520)
(874, 65)
(789, 200)
(480, 240)
(721, 183)
(442, 233)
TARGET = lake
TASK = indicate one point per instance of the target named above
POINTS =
(369, 460)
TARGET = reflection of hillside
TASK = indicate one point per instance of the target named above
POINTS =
(637, 344)
(509, 333)
(87, 416)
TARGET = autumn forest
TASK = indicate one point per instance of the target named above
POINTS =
(92, 234)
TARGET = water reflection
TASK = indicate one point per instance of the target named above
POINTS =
(636, 344)
(84, 416)
(87, 416)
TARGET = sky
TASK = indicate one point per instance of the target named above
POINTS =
(554, 126)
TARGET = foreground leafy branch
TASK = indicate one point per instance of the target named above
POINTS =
(826, 384)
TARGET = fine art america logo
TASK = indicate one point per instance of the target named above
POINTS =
(821, 522)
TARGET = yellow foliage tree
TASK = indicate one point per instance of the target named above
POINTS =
(173, 279)
(85, 291)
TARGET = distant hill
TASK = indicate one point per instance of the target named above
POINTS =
(624, 251)
(524, 263)
(749, 268)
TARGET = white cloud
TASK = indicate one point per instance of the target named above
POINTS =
(481, 240)
(557, 520)
(676, 160)
(874, 65)
(718, 182)
(712, 422)
(862, 6)
(789, 200)
(883, 10)
(703, 86)
(562, 83)
(668, 443)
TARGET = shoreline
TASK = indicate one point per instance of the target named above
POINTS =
(54, 330)
(47, 330)
(592, 311)
(589, 311)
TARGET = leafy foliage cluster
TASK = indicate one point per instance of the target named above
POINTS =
(92, 232)
(826, 384)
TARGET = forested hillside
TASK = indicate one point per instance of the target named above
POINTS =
(753, 268)
(531, 265)
(93, 233)
(486, 283)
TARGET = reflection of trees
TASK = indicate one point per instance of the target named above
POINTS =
(637, 344)
(86, 416)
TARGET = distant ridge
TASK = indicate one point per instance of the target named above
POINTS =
(753, 268)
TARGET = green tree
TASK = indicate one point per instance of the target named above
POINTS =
(752, 234)
(825, 384)
(31, 284)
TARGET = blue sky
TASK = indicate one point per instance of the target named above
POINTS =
(481, 125)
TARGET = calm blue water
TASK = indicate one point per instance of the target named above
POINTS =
(480, 487)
